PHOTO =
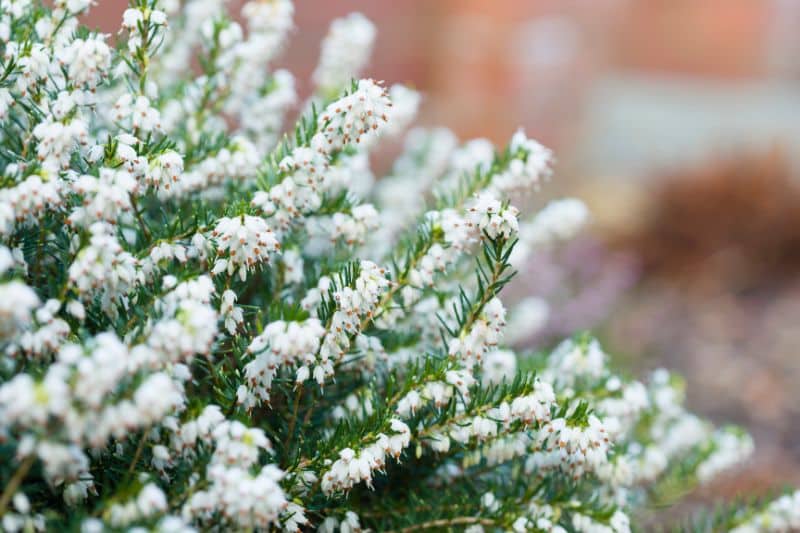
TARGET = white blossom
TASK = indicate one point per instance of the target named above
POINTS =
(246, 241)
(472, 346)
(526, 318)
(489, 216)
(780, 515)
(729, 449)
(185, 276)
(87, 60)
(103, 267)
(530, 164)
(558, 221)
(17, 301)
(356, 466)
(356, 118)
(345, 51)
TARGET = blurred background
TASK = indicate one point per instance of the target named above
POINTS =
(678, 122)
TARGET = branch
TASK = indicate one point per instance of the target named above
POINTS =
(446, 522)
(15, 481)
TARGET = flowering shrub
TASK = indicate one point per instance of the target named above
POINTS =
(209, 325)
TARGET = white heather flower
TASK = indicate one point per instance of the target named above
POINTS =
(57, 140)
(351, 228)
(158, 17)
(730, 448)
(232, 314)
(490, 502)
(294, 517)
(618, 523)
(530, 164)
(226, 36)
(143, 116)
(34, 67)
(779, 516)
(167, 252)
(298, 193)
(189, 325)
(293, 266)
(246, 241)
(199, 248)
(30, 403)
(103, 267)
(351, 174)
(438, 393)
(345, 51)
(282, 344)
(63, 105)
(461, 380)
(151, 500)
(104, 197)
(424, 159)
(483, 428)
(250, 500)
(262, 116)
(6, 101)
(559, 220)
(576, 449)
(490, 216)
(87, 60)
(353, 304)
(356, 118)
(405, 104)
(157, 397)
(521, 525)
(6, 260)
(237, 161)
(17, 301)
(475, 154)
(571, 361)
(268, 24)
(314, 296)
(534, 407)
(165, 170)
(409, 404)
(458, 233)
(499, 366)
(356, 466)
(137, 113)
(30, 199)
(21, 503)
(274, 16)
(526, 319)
(472, 346)
(131, 18)
(75, 6)
(622, 411)
(51, 331)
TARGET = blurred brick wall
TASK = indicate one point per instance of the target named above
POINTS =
(710, 38)
(488, 67)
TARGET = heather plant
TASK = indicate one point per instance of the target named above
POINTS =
(209, 321)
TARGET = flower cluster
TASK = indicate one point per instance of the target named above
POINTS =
(345, 51)
(247, 240)
(484, 334)
(783, 514)
(246, 499)
(210, 320)
(280, 345)
(356, 117)
(354, 467)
